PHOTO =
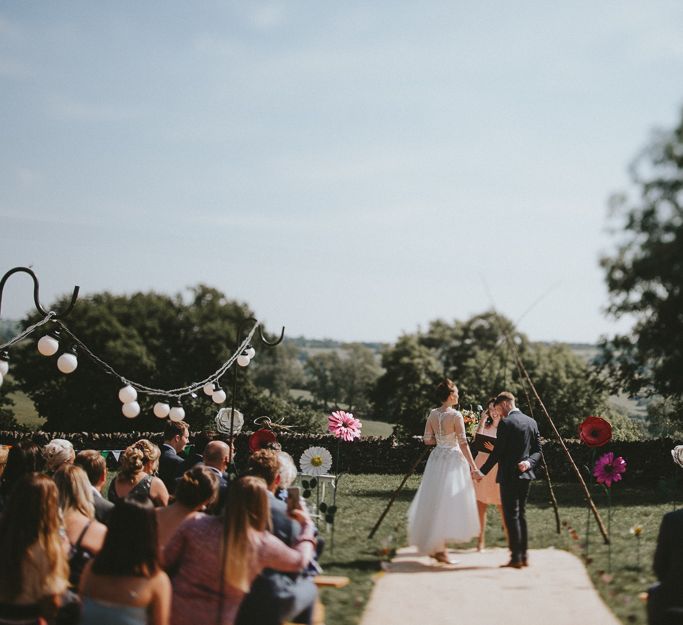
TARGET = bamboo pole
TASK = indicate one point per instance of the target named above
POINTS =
(553, 499)
(587, 494)
(423, 453)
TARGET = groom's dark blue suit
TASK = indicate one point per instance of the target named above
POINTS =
(517, 440)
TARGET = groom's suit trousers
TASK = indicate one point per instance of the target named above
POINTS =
(513, 496)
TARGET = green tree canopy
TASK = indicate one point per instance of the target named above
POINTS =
(345, 376)
(645, 274)
(476, 355)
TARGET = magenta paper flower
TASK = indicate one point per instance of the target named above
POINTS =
(609, 469)
(344, 425)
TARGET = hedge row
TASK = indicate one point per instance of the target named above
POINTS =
(646, 460)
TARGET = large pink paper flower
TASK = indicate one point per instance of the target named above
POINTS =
(609, 469)
(344, 425)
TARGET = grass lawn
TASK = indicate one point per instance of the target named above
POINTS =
(362, 498)
(25, 412)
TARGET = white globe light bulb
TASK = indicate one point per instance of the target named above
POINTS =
(219, 396)
(131, 409)
(4, 367)
(48, 345)
(161, 410)
(127, 394)
(177, 413)
(243, 360)
(251, 352)
(208, 388)
(67, 363)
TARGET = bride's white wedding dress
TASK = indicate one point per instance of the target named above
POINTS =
(445, 506)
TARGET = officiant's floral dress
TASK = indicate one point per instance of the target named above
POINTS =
(487, 489)
(445, 507)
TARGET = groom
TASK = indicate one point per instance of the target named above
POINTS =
(517, 452)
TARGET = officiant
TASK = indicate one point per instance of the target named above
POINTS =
(487, 490)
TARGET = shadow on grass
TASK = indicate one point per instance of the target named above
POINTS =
(622, 495)
(356, 565)
(407, 494)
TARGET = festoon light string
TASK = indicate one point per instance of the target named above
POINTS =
(128, 394)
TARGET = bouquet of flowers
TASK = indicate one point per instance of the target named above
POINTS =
(471, 421)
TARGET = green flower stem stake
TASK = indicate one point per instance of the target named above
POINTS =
(344, 427)
(607, 470)
(315, 461)
(594, 432)
(636, 531)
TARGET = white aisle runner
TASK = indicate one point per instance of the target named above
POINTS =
(554, 590)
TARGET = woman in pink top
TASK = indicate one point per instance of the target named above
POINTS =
(211, 575)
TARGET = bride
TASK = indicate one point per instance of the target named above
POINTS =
(445, 507)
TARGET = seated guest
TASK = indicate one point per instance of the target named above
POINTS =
(135, 478)
(209, 581)
(199, 443)
(58, 452)
(124, 584)
(25, 457)
(217, 458)
(176, 435)
(665, 600)
(4, 452)
(95, 467)
(277, 595)
(196, 489)
(84, 533)
(34, 572)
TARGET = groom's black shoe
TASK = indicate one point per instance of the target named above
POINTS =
(525, 562)
(512, 565)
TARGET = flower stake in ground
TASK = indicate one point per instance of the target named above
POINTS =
(608, 470)
(594, 432)
(344, 427)
(636, 531)
(315, 461)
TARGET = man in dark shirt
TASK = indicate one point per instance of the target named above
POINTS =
(95, 467)
(275, 596)
(176, 436)
(665, 600)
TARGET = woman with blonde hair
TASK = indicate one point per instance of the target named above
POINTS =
(57, 452)
(196, 489)
(216, 559)
(135, 477)
(85, 534)
(34, 572)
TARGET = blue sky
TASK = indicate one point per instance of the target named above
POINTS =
(351, 170)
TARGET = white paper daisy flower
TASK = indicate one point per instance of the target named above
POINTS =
(315, 461)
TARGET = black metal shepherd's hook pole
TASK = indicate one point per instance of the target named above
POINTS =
(36, 292)
(238, 342)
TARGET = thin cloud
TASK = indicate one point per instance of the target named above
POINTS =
(69, 109)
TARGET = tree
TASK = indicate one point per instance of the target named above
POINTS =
(345, 377)
(160, 341)
(279, 370)
(322, 378)
(404, 393)
(476, 355)
(645, 274)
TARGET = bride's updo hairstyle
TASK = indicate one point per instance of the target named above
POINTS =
(443, 390)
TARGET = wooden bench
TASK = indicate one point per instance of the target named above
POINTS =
(325, 581)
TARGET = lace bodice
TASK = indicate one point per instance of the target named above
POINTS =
(445, 427)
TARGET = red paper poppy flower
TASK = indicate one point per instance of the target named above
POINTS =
(259, 438)
(595, 431)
